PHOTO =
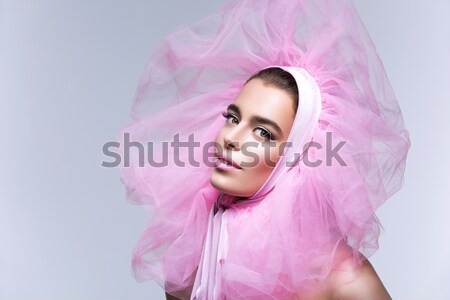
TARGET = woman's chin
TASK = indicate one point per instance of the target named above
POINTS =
(225, 186)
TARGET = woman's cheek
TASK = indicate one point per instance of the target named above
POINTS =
(268, 159)
(274, 157)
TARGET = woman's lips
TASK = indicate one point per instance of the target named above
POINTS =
(226, 164)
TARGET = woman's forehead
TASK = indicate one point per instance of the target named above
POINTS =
(257, 98)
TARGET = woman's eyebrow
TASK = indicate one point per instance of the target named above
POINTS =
(234, 108)
(257, 119)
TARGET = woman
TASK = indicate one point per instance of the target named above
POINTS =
(295, 217)
(264, 111)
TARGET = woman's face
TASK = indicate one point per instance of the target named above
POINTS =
(256, 126)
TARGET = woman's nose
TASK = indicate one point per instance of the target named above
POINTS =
(231, 140)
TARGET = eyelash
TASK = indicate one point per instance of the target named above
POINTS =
(270, 136)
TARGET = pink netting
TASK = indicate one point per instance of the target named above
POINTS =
(290, 241)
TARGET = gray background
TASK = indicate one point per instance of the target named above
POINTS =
(68, 74)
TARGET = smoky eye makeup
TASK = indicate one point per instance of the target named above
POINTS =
(268, 135)
(227, 115)
(256, 120)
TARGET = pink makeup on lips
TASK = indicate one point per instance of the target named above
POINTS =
(225, 164)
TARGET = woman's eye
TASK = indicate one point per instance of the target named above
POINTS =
(229, 117)
(265, 134)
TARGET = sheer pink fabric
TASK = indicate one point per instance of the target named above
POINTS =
(214, 261)
(283, 244)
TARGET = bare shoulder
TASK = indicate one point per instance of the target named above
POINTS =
(345, 282)
(365, 285)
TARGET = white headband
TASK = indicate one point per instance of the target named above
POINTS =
(306, 119)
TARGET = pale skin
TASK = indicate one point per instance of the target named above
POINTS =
(366, 286)
(259, 99)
